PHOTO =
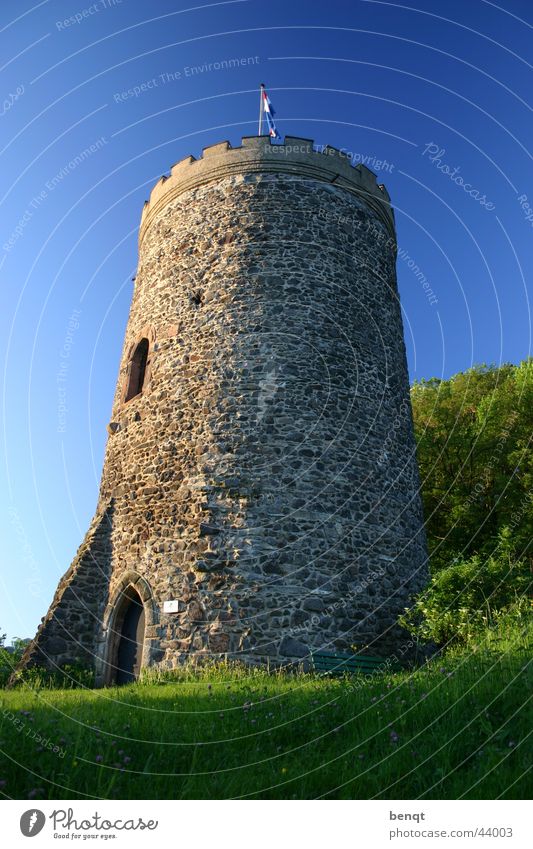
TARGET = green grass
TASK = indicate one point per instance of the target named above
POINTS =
(456, 728)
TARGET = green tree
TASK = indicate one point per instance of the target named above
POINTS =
(474, 435)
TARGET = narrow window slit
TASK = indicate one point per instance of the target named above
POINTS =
(137, 370)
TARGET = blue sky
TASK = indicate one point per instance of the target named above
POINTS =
(437, 96)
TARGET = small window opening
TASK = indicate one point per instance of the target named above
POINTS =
(137, 370)
(197, 299)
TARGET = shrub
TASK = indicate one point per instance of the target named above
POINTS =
(9, 658)
(470, 595)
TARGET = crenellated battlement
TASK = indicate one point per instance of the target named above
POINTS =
(257, 155)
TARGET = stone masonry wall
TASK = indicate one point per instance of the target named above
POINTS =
(266, 477)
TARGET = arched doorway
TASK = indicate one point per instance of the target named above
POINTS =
(131, 586)
(130, 637)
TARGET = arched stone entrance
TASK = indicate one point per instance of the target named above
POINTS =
(131, 642)
(125, 644)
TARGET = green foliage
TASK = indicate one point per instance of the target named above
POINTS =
(9, 659)
(67, 677)
(473, 437)
(470, 594)
(444, 613)
(476, 465)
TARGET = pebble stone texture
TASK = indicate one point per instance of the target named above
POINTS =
(265, 479)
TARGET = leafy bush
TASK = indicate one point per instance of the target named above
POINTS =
(470, 595)
(9, 659)
(473, 436)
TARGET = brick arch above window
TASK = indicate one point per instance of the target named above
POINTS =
(146, 332)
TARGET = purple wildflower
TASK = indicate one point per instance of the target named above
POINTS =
(33, 793)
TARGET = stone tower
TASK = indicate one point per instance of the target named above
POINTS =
(260, 495)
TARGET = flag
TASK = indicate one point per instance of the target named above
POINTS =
(268, 110)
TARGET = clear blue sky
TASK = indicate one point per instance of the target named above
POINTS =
(381, 79)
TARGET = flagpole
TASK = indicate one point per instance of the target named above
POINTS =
(261, 87)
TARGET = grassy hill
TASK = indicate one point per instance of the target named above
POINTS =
(456, 728)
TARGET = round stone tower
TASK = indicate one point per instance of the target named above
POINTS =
(260, 495)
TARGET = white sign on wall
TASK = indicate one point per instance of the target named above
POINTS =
(172, 606)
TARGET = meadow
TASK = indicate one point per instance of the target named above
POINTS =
(455, 728)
